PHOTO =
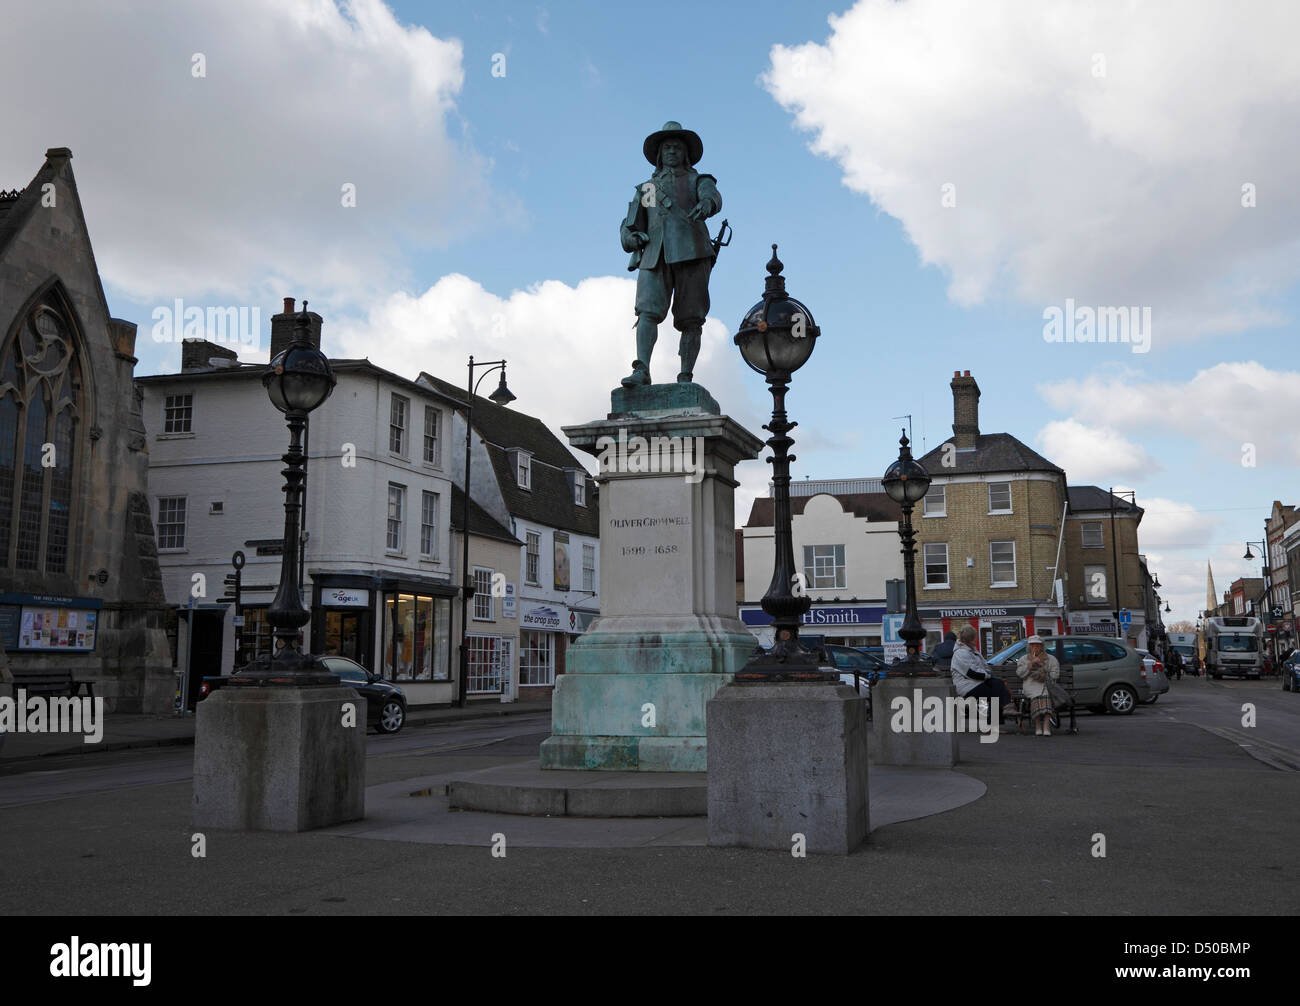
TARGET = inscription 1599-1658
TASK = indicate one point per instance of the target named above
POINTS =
(637, 545)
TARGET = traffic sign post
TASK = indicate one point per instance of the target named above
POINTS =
(234, 587)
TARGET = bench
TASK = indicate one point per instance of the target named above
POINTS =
(1012, 680)
(50, 682)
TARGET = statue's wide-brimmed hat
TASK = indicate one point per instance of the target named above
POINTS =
(673, 131)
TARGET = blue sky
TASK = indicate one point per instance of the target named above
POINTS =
(487, 210)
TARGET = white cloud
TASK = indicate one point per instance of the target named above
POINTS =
(1224, 408)
(1122, 189)
(1093, 454)
(566, 347)
(231, 184)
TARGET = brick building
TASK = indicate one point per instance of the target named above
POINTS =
(988, 532)
(1101, 529)
(1280, 520)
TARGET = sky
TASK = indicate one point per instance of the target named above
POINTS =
(952, 187)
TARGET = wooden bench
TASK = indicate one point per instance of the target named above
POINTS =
(1016, 687)
(51, 682)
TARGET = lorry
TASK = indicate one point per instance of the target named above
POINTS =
(1188, 647)
(1234, 646)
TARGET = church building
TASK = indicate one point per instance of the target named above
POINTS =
(80, 588)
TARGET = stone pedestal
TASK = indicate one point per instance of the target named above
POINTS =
(636, 684)
(900, 733)
(788, 759)
(279, 758)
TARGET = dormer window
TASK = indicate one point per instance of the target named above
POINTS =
(523, 469)
(578, 484)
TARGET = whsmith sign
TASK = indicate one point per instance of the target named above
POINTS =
(850, 615)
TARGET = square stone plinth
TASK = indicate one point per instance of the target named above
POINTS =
(787, 760)
(279, 758)
(637, 684)
(903, 723)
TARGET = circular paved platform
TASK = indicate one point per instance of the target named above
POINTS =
(527, 789)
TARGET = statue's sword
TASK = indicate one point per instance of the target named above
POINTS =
(725, 229)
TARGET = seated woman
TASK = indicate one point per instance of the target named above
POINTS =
(971, 675)
(1034, 668)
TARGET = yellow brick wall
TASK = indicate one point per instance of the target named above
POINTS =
(1076, 557)
(969, 528)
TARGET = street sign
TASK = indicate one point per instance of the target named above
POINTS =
(238, 621)
(1125, 617)
(266, 546)
(226, 600)
(893, 644)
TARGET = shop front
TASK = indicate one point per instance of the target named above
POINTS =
(998, 626)
(542, 642)
(396, 626)
(841, 624)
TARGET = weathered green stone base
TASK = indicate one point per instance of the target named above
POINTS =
(599, 709)
(653, 400)
(624, 754)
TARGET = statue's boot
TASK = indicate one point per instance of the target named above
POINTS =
(640, 375)
(689, 350)
(647, 331)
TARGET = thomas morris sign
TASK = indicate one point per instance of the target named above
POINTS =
(977, 612)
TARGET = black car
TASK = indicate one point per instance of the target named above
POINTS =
(848, 659)
(385, 702)
(1291, 673)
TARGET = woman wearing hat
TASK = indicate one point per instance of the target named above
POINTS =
(1034, 668)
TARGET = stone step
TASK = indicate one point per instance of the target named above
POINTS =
(529, 790)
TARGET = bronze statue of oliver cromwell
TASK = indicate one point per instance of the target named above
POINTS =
(665, 232)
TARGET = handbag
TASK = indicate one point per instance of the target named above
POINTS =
(1059, 696)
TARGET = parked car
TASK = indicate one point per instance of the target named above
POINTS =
(847, 659)
(1109, 675)
(385, 702)
(1155, 674)
(1291, 673)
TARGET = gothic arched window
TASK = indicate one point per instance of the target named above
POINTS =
(40, 406)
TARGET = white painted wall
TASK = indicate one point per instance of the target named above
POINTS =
(234, 456)
(871, 550)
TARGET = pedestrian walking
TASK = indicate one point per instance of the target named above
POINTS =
(943, 653)
(1034, 669)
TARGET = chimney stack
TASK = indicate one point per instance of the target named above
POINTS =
(965, 410)
(196, 354)
(282, 328)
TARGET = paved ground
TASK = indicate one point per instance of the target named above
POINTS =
(128, 732)
(1192, 822)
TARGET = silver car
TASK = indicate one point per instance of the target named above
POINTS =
(1155, 674)
(1108, 673)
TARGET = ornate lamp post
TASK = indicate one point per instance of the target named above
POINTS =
(299, 380)
(907, 482)
(776, 338)
(502, 396)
